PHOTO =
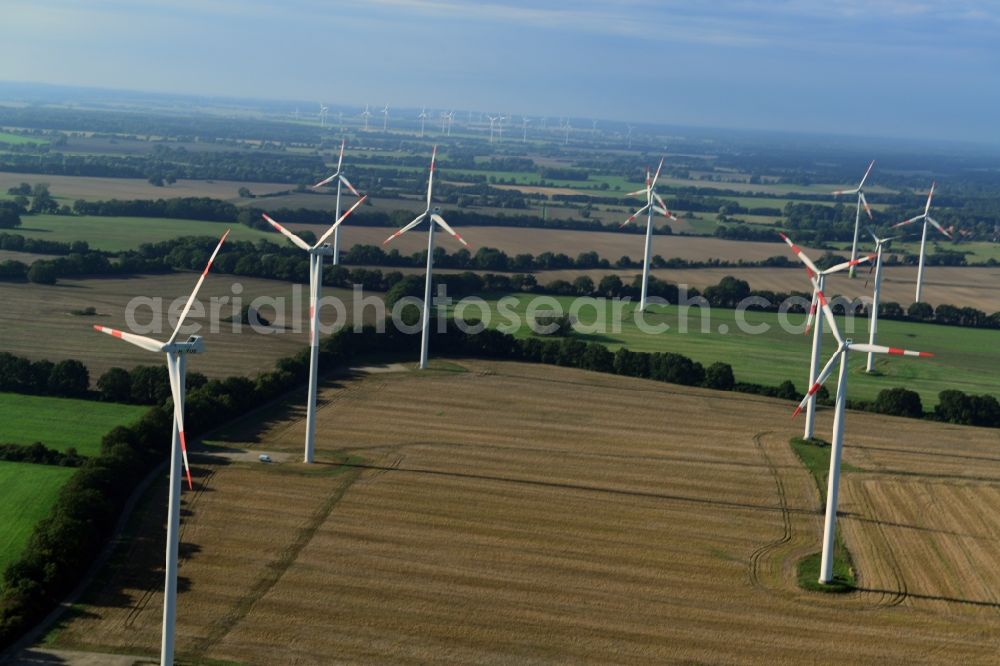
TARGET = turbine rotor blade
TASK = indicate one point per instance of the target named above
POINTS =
(149, 344)
(288, 234)
(930, 195)
(444, 225)
(828, 313)
(634, 215)
(820, 379)
(865, 177)
(864, 202)
(344, 180)
(340, 160)
(173, 372)
(409, 226)
(197, 286)
(938, 226)
(812, 312)
(337, 223)
(430, 178)
(894, 351)
(905, 222)
(848, 264)
(801, 255)
(324, 181)
(657, 175)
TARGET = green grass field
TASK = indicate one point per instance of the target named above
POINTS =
(28, 493)
(124, 233)
(966, 359)
(61, 423)
(19, 140)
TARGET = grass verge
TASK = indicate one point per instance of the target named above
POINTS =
(815, 455)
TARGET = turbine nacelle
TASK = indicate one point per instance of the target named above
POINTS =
(193, 345)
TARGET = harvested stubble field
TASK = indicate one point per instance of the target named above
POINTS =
(503, 512)
(38, 322)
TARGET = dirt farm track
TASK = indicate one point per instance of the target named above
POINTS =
(497, 512)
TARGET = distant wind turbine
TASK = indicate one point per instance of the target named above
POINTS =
(366, 114)
(436, 219)
(385, 118)
(859, 190)
(926, 217)
(338, 175)
(422, 118)
(873, 315)
(316, 254)
(653, 204)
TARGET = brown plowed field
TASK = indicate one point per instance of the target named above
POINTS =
(503, 512)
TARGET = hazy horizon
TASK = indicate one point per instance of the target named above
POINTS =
(881, 68)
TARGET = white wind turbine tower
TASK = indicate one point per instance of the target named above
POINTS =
(323, 108)
(566, 128)
(862, 202)
(422, 118)
(653, 204)
(493, 120)
(629, 136)
(444, 120)
(450, 116)
(524, 127)
(385, 118)
(366, 114)
(435, 219)
(500, 122)
(316, 254)
(873, 316)
(833, 480)
(341, 179)
(925, 216)
(176, 370)
(819, 277)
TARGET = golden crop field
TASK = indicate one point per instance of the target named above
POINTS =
(504, 512)
(42, 325)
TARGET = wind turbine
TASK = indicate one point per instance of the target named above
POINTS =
(653, 204)
(819, 283)
(450, 116)
(176, 370)
(444, 120)
(567, 127)
(500, 122)
(366, 114)
(341, 180)
(873, 316)
(385, 118)
(833, 481)
(857, 217)
(323, 108)
(435, 216)
(629, 136)
(493, 120)
(925, 216)
(316, 254)
(524, 126)
(422, 118)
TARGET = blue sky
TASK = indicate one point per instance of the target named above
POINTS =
(876, 67)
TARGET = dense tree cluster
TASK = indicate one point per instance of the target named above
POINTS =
(68, 378)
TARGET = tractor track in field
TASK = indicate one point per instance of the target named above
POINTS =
(786, 519)
(885, 598)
